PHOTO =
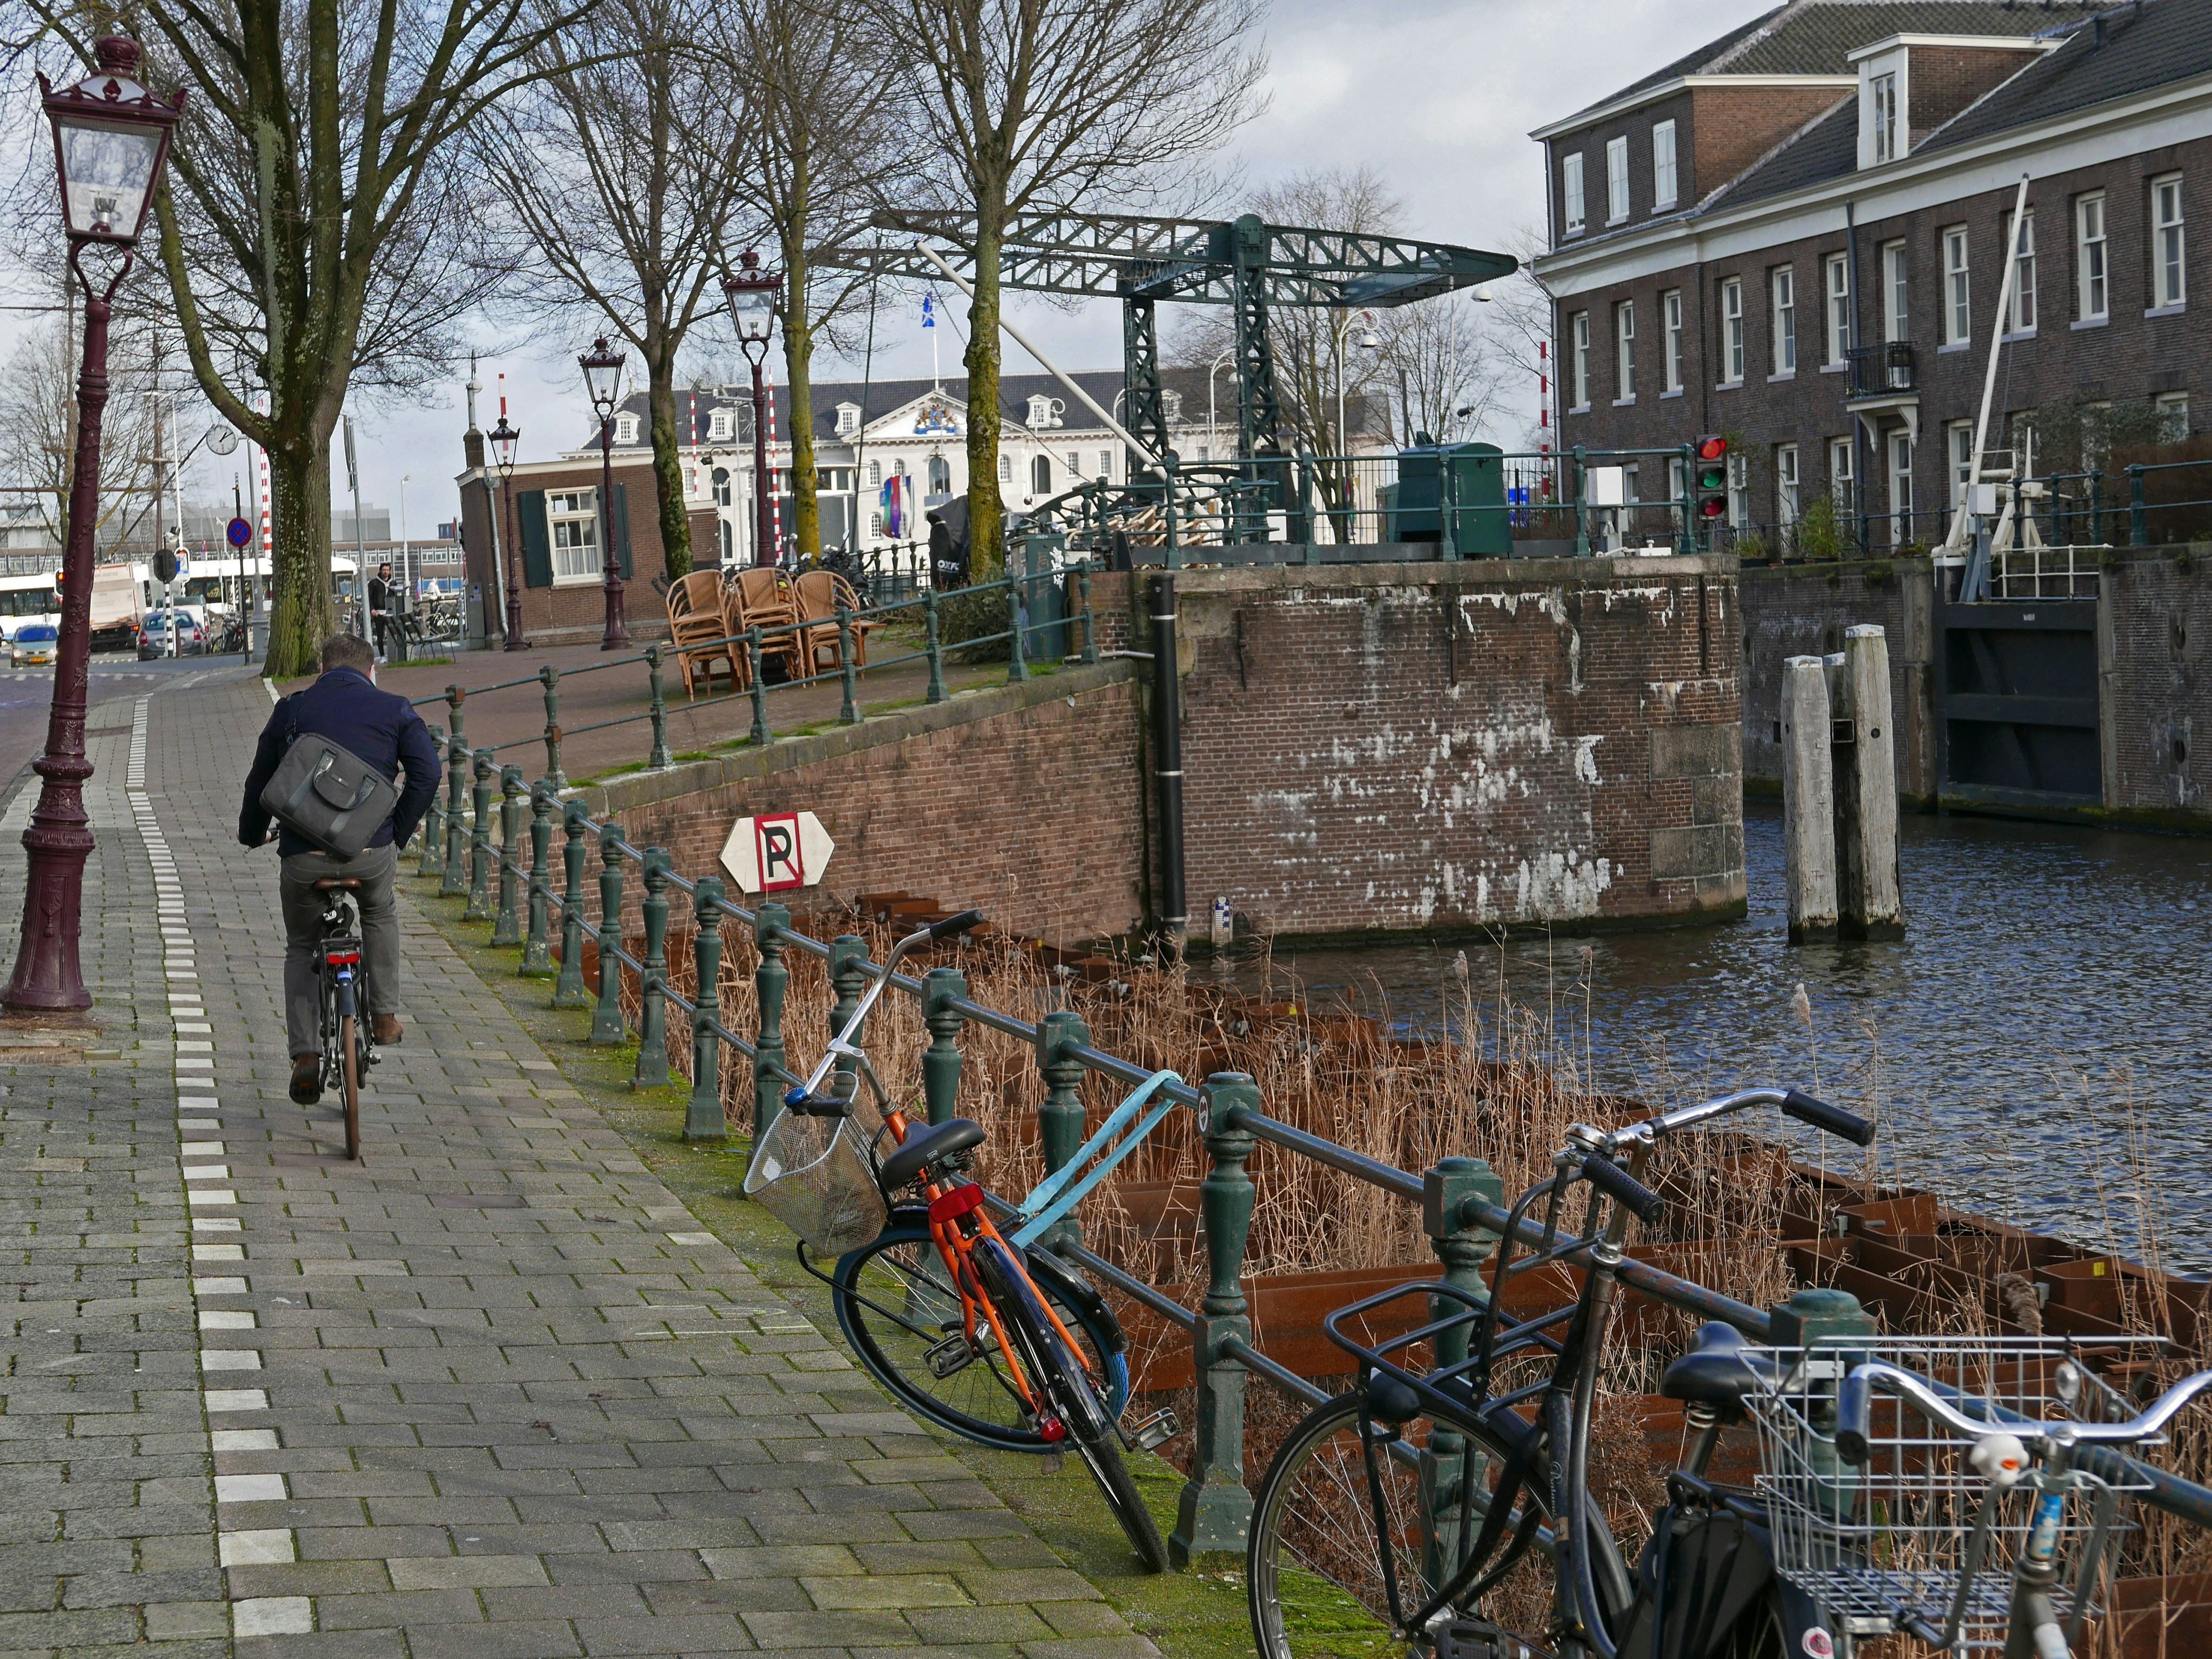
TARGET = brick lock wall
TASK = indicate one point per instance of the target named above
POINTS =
(2154, 639)
(1443, 746)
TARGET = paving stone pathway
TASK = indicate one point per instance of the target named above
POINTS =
(494, 1393)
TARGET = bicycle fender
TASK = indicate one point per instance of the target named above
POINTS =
(1080, 1294)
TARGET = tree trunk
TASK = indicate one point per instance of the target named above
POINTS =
(667, 470)
(799, 367)
(987, 515)
(301, 616)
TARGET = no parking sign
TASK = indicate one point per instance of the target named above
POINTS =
(775, 852)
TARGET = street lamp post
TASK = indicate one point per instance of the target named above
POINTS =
(751, 292)
(111, 139)
(603, 381)
(503, 439)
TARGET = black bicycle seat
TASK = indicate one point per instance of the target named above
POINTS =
(1717, 1372)
(329, 883)
(926, 1147)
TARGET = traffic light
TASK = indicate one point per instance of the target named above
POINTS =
(1709, 481)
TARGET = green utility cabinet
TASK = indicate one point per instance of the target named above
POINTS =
(1476, 475)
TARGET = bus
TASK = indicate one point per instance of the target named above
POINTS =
(28, 597)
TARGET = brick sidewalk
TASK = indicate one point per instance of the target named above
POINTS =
(495, 1394)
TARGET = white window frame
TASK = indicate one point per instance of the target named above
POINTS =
(572, 531)
(1957, 286)
(1616, 180)
(1739, 489)
(1882, 90)
(1006, 468)
(1786, 507)
(848, 419)
(1578, 333)
(1842, 485)
(1732, 359)
(1570, 189)
(1959, 452)
(2093, 272)
(1899, 445)
(1041, 475)
(1782, 290)
(2169, 248)
(1896, 291)
(722, 423)
(1665, 182)
(2170, 404)
(1106, 465)
(626, 428)
(717, 486)
(875, 475)
(2019, 309)
(1624, 351)
(1836, 286)
(1670, 305)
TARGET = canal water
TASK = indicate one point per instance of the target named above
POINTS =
(2037, 1047)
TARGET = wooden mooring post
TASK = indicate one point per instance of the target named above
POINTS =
(1808, 822)
(1839, 794)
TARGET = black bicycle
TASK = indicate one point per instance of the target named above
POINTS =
(349, 1041)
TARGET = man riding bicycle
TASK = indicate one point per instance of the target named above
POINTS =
(384, 730)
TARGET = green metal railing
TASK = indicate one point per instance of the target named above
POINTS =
(1461, 1199)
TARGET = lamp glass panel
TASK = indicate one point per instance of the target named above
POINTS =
(603, 381)
(107, 175)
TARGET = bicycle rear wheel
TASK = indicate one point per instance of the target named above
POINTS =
(897, 1305)
(349, 1068)
(1334, 1532)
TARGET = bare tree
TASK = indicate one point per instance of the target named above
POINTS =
(38, 426)
(314, 218)
(626, 167)
(1030, 105)
(1439, 358)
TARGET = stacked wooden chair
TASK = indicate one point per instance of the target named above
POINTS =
(819, 593)
(699, 631)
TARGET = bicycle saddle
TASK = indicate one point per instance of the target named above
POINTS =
(1717, 1372)
(330, 884)
(926, 1147)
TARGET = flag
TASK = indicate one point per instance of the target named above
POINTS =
(929, 311)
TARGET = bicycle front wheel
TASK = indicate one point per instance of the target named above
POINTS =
(897, 1305)
(350, 1068)
(1339, 1552)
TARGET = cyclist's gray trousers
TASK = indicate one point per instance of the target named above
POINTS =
(380, 926)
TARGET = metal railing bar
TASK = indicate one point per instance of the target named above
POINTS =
(1281, 1376)
(1136, 1289)
(1389, 1178)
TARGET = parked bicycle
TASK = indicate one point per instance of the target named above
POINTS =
(1003, 1345)
(348, 1045)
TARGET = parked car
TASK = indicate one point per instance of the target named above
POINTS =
(154, 635)
(33, 646)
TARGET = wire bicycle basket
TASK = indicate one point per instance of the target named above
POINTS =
(815, 1174)
(1916, 1537)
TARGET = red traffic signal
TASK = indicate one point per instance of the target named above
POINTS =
(1709, 479)
(1711, 449)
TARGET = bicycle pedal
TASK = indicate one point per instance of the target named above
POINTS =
(951, 1357)
(1478, 1638)
(1155, 1431)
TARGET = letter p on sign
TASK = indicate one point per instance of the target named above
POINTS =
(777, 852)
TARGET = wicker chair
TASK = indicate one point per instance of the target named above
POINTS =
(819, 593)
(762, 598)
(698, 632)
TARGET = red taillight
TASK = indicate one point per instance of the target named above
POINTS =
(946, 1205)
(336, 959)
(1051, 1432)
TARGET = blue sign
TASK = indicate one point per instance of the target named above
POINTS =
(240, 533)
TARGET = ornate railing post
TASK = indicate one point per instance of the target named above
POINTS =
(434, 820)
(702, 1113)
(551, 678)
(1059, 1118)
(1215, 1509)
(537, 957)
(2138, 519)
(769, 980)
(1685, 534)
(479, 905)
(660, 756)
(456, 883)
(847, 952)
(940, 1062)
(607, 1017)
(1017, 666)
(757, 674)
(568, 990)
(1447, 1187)
(2096, 505)
(932, 644)
(1090, 617)
(846, 671)
(1808, 1316)
(652, 1069)
(507, 930)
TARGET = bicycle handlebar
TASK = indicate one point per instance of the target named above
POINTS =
(1849, 1126)
(1854, 1402)
(951, 925)
(1623, 1188)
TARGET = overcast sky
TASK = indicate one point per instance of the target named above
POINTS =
(1437, 95)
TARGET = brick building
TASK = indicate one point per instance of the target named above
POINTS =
(1795, 237)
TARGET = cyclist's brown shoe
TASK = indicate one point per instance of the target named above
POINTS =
(387, 1028)
(306, 1079)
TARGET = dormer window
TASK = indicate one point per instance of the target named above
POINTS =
(722, 423)
(1881, 116)
(625, 428)
(1044, 411)
(848, 419)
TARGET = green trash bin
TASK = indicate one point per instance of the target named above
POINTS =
(1481, 528)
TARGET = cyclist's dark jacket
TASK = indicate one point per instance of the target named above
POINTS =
(379, 727)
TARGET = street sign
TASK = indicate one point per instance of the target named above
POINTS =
(777, 852)
(240, 533)
(165, 566)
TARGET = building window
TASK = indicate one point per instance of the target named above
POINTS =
(1678, 491)
(1739, 489)
(1044, 412)
(875, 475)
(848, 419)
(1732, 328)
(1841, 489)
(728, 557)
(940, 476)
(1041, 476)
(1960, 442)
(1623, 337)
(1785, 320)
(2019, 315)
(1836, 282)
(1785, 485)
(1578, 369)
(1662, 165)
(2172, 417)
(1958, 318)
(1616, 180)
(2168, 285)
(1900, 488)
(1671, 306)
(721, 486)
(625, 428)
(1570, 182)
(1896, 314)
(2092, 298)
(1881, 90)
(721, 424)
(575, 517)
(875, 526)
(1105, 464)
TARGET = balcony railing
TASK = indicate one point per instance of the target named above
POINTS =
(1879, 371)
